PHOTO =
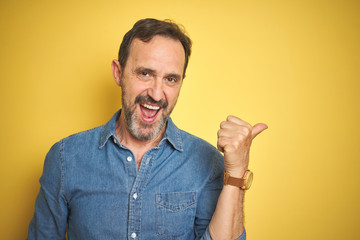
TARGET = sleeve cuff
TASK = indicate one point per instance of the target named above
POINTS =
(207, 236)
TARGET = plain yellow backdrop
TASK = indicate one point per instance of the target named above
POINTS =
(294, 65)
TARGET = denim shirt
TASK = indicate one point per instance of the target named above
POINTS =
(91, 188)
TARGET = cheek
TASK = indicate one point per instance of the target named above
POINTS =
(133, 91)
(173, 96)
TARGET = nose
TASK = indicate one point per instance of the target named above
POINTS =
(156, 91)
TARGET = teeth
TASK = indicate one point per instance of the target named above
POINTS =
(151, 107)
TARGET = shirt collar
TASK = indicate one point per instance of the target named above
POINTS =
(172, 133)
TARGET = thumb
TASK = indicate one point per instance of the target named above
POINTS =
(258, 128)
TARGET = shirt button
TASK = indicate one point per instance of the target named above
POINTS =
(129, 159)
(114, 140)
(133, 235)
(135, 195)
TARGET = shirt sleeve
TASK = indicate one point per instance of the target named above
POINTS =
(50, 217)
(208, 200)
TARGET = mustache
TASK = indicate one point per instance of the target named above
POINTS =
(162, 103)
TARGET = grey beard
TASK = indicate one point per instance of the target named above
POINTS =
(130, 121)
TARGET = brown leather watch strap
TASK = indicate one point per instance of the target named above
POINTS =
(243, 183)
(238, 182)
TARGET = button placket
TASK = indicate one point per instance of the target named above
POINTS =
(135, 198)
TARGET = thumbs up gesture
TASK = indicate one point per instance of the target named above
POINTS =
(234, 140)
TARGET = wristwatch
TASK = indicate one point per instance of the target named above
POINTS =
(243, 183)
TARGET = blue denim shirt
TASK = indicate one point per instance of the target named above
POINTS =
(91, 189)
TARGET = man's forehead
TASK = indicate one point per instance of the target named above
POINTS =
(159, 49)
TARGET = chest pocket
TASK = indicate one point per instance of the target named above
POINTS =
(175, 214)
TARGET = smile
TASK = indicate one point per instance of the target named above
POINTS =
(149, 112)
(150, 107)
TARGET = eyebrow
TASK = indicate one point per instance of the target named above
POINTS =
(152, 71)
(143, 69)
(174, 75)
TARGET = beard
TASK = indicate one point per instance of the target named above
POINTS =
(139, 129)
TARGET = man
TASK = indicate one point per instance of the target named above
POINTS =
(139, 176)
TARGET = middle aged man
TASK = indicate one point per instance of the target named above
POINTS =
(139, 176)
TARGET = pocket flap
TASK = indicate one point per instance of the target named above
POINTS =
(176, 201)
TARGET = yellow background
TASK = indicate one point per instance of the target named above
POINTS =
(294, 65)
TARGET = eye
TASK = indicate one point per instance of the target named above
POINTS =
(172, 79)
(145, 74)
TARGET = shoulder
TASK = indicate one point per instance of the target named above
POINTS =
(84, 136)
(191, 141)
(206, 159)
(88, 139)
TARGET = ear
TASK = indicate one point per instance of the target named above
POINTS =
(116, 70)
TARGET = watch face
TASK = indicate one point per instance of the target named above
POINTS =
(226, 178)
(248, 180)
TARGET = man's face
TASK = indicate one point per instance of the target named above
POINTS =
(151, 82)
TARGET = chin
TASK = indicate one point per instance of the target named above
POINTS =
(145, 131)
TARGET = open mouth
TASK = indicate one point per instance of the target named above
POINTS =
(149, 112)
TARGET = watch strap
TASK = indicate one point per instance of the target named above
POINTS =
(243, 183)
(229, 180)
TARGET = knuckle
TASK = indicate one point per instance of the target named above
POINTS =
(246, 130)
(240, 138)
(229, 117)
(221, 142)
